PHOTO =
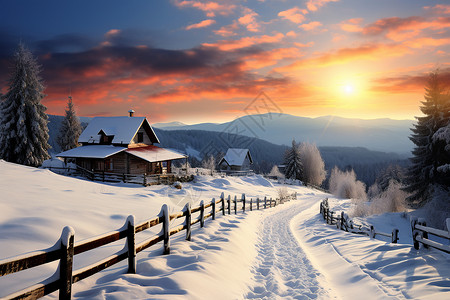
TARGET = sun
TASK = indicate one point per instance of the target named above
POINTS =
(348, 89)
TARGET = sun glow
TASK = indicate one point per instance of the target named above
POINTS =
(348, 89)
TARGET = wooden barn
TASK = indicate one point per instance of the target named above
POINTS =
(121, 145)
(236, 160)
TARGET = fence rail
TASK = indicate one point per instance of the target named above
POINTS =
(343, 222)
(420, 232)
(144, 179)
(64, 250)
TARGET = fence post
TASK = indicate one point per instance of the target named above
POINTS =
(222, 198)
(424, 233)
(257, 203)
(394, 235)
(144, 183)
(342, 219)
(243, 202)
(229, 204)
(188, 221)
(235, 204)
(372, 232)
(251, 202)
(165, 215)
(265, 202)
(103, 176)
(124, 178)
(213, 208)
(331, 217)
(414, 232)
(321, 208)
(66, 263)
(131, 245)
(202, 213)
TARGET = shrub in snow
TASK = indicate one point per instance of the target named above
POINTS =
(23, 122)
(283, 193)
(313, 165)
(391, 200)
(177, 185)
(345, 185)
(437, 210)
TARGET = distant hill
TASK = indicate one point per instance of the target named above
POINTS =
(385, 135)
(167, 125)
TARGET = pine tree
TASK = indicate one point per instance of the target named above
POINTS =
(70, 129)
(423, 172)
(294, 167)
(23, 124)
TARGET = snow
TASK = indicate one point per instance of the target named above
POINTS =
(92, 151)
(123, 129)
(236, 156)
(153, 153)
(285, 252)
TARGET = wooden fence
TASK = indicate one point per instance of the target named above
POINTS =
(343, 222)
(143, 179)
(420, 232)
(64, 250)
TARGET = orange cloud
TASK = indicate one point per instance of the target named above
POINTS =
(228, 30)
(439, 8)
(351, 25)
(228, 45)
(408, 83)
(345, 55)
(295, 15)
(402, 29)
(269, 58)
(209, 7)
(202, 24)
(310, 26)
(314, 5)
(249, 20)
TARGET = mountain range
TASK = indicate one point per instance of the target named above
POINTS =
(385, 135)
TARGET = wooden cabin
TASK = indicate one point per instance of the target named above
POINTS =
(121, 145)
(236, 160)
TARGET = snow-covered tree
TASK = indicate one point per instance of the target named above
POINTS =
(313, 165)
(23, 123)
(428, 156)
(209, 163)
(70, 129)
(294, 167)
(345, 185)
(275, 172)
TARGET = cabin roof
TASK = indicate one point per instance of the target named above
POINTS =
(92, 151)
(153, 153)
(122, 128)
(236, 156)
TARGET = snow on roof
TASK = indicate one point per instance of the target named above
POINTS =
(236, 156)
(153, 153)
(92, 151)
(122, 128)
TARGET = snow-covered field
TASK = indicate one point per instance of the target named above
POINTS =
(286, 252)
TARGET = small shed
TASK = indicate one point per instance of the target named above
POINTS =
(236, 159)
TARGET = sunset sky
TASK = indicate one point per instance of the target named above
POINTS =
(205, 61)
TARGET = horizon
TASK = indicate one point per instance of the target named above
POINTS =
(207, 61)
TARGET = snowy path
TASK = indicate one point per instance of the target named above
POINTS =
(282, 269)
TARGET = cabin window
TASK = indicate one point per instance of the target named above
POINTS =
(140, 137)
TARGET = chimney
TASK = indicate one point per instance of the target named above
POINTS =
(131, 112)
